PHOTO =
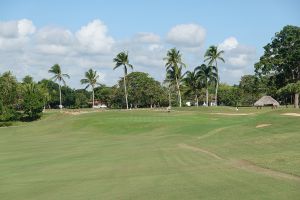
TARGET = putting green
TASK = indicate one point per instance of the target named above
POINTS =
(189, 153)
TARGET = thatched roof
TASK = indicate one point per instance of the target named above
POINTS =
(266, 100)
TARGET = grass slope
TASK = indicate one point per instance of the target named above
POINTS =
(186, 154)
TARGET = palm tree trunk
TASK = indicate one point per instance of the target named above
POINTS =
(125, 89)
(179, 94)
(296, 100)
(60, 106)
(196, 100)
(217, 85)
(206, 96)
(169, 98)
(93, 98)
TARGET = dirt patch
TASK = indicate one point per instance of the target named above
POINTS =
(251, 167)
(232, 114)
(185, 146)
(292, 114)
(262, 125)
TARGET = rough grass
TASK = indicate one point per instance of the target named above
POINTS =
(153, 155)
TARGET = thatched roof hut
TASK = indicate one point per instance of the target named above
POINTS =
(266, 101)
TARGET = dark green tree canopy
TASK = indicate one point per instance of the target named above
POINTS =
(281, 59)
(143, 90)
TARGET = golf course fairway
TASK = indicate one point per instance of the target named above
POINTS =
(188, 153)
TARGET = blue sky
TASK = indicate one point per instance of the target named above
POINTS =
(249, 24)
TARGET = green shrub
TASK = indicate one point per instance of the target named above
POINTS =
(33, 105)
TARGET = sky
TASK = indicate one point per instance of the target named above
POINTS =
(79, 35)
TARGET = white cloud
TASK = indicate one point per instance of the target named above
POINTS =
(14, 35)
(239, 60)
(229, 44)
(187, 35)
(25, 27)
(54, 35)
(147, 38)
(8, 29)
(93, 38)
(54, 40)
(155, 47)
(25, 49)
(14, 29)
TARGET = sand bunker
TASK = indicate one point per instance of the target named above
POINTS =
(292, 114)
(262, 125)
(232, 114)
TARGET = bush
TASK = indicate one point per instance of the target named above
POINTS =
(33, 105)
(4, 124)
(8, 113)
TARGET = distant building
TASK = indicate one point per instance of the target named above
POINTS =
(266, 101)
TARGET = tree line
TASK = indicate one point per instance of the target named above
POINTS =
(277, 73)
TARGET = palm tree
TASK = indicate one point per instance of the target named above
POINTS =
(168, 83)
(212, 55)
(58, 76)
(122, 60)
(206, 75)
(91, 80)
(193, 84)
(174, 66)
(171, 82)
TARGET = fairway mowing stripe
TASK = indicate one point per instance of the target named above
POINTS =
(251, 167)
(213, 132)
(245, 164)
(232, 114)
(185, 146)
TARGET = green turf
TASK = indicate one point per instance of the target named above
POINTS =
(139, 155)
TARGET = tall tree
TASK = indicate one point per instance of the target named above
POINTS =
(169, 84)
(8, 88)
(58, 76)
(122, 60)
(212, 55)
(90, 80)
(174, 65)
(193, 84)
(281, 59)
(207, 75)
(143, 90)
(291, 88)
(27, 79)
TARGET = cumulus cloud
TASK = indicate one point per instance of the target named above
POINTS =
(229, 44)
(147, 38)
(15, 34)
(93, 38)
(25, 27)
(187, 35)
(25, 49)
(239, 60)
(14, 29)
(54, 40)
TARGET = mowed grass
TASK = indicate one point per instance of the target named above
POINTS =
(189, 153)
